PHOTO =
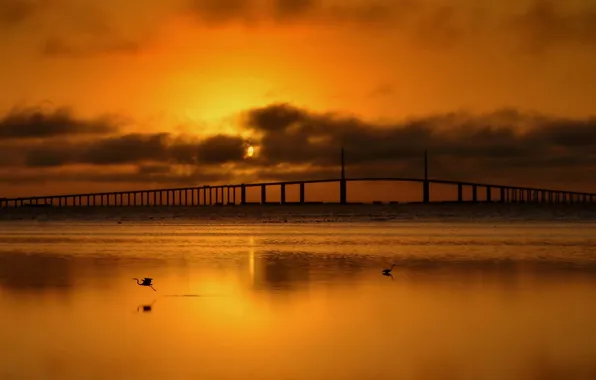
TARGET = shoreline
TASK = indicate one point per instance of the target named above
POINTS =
(317, 213)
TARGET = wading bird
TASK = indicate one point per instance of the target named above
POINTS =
(146, 282)
(387, 272)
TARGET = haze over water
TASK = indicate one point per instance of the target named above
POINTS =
(478, 292)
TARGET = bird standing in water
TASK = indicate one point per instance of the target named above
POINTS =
(387, 272)
(146, 282)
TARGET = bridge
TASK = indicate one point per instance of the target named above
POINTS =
(236, 194)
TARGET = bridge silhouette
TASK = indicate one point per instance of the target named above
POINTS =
(228, 194)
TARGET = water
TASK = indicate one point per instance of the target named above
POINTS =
(501, 293)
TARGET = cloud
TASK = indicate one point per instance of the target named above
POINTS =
(136, 149)
(220, 149)
(220, 11)
(55, 47)
(285, 12)
(16, 12)
(165, 175)
(70, 28)
(546, 23)
(506, 146)
(501, 141)
(74, 28)
(540, 24)
(31, 122)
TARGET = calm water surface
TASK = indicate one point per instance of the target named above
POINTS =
(490, 300)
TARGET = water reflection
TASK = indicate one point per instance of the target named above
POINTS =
(276, 306)
(146, 308)
(25, 272)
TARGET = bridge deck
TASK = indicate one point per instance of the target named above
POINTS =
(507, 191)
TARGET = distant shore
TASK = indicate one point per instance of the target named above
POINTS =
(316, 212)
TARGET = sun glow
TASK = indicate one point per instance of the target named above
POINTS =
(250, 151)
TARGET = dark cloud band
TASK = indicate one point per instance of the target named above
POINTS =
(295, 143)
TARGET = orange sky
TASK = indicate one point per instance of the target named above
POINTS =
(195, 67)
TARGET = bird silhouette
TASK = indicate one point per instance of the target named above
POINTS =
(387, 272)
(146, 282)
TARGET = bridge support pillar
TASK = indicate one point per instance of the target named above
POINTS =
(302, 192)
(282, 195)
(489, 195)
(460, 192)
(502, 195)
(243, 194)
(263, 194)
(474, 193)
(343, 191)
(425, 191)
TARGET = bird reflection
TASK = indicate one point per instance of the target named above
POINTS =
(146, 282)
(146, 308)
(388, 275)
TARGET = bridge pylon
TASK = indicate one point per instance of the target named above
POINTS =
(426, 184)
(343, 186)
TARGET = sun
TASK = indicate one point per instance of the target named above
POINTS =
(250, 151)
